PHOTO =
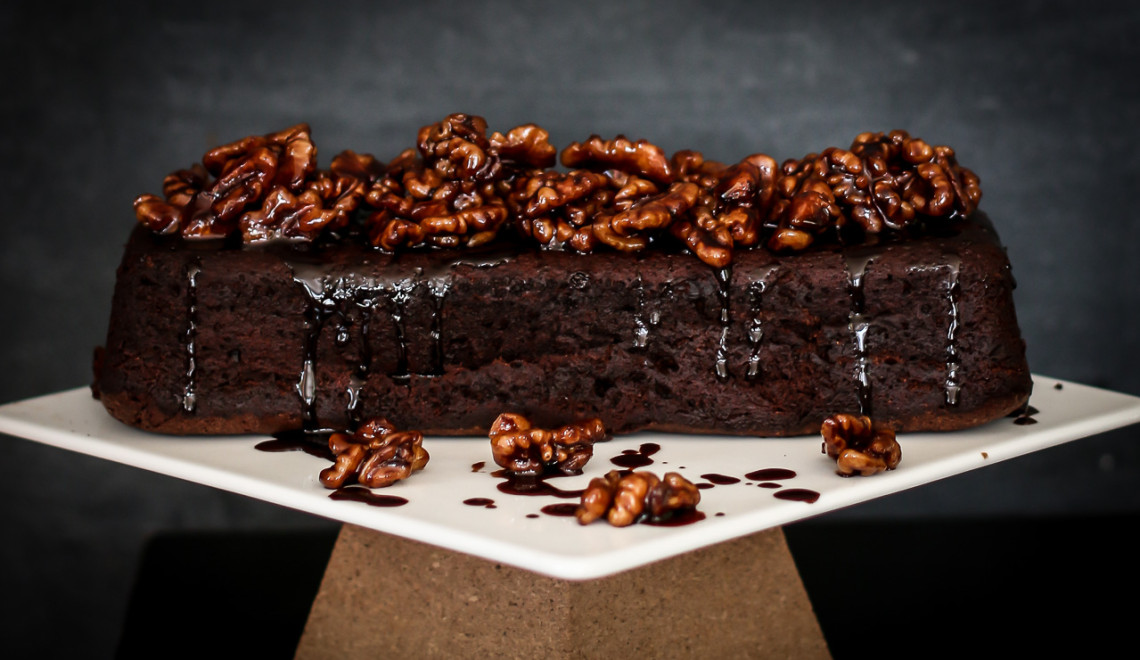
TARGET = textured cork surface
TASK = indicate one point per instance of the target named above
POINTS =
(382, 595)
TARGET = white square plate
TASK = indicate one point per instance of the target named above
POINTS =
(515, 531)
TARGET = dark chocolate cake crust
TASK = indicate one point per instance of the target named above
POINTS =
(217, 338)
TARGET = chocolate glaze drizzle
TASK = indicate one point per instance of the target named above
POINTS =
(856, 264)
(724, 284)
(756, 292)
(189, 394)
(640, 326)
(330, 297)
(399, 294)
(953, 290)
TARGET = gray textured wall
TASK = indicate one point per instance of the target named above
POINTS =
(1040, 99)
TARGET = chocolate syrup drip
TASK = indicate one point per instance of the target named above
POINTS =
(485, 502)
(438, 289)
(478, 465)
(640, 327)
(189, 394)
(313, 443)
(399, 296)
(631, 459)
(755, 329)
(857, 323)
(321, 307)
(953, 290)
(365, 495)
(724, 284)
(365, 304)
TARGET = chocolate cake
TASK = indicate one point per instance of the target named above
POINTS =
(468, 277)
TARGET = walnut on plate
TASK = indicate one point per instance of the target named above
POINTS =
(624, 498)
(522, 449)
(375, 455)
(858, 447)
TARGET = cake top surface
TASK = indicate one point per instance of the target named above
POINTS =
(460, 187)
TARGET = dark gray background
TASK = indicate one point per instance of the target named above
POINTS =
(1040, 99)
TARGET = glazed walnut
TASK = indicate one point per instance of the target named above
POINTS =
(326, 202)
(450, 191)
(208, 200)
(631, 229)
(375, 455)
(730, 209)
(557, 209)
(522, 449)
(883, 182)
(624, 498)
(267, 187)
(461, 186)
(858, 447)
(641, 157)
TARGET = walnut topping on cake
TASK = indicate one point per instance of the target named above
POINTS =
(858, 447)
(462, 187)
(375, 455)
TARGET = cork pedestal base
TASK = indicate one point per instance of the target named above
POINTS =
(383, 595)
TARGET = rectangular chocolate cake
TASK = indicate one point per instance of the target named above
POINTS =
(468, 279)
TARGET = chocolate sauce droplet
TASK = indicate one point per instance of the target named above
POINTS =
(560, 509)
(532, 485)
(720, 479)
(475, 467)
(485, 502)
(365, 495)
(676, 519)
(797, 495)
(631, 459)
(770, 474)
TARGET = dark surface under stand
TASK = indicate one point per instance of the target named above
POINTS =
(906, 589)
